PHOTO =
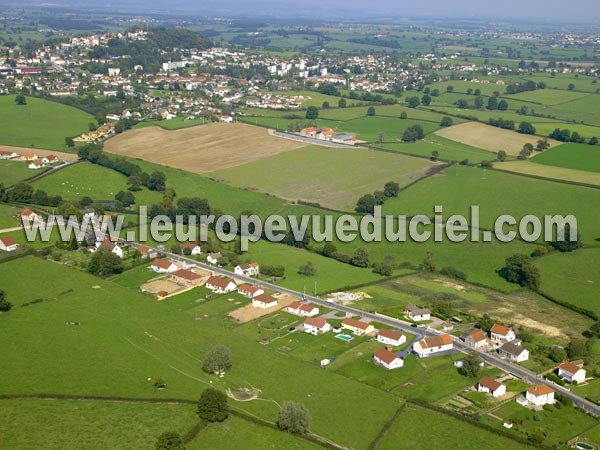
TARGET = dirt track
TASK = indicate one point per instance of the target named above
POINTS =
(200, 149)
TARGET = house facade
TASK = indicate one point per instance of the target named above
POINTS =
(388, 359)
(221, 285)
(247, 270)
(476, 339)
(432, 344)
(501, 334)
(417, 314)
(491, 386)
(540, 395)
(391, 337)
(249, 291)
(514, 351)
(8, 244)
(264, 301)
(316, 325)
(163, 266)
(357, 327)
(572, 371)
(302, 309)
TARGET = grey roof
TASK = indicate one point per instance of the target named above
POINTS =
(513, 348)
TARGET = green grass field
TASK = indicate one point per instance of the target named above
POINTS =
(92, 180)
(419, 428)
(8, 217)
(549, 96)
(124, 338)
(572, 277)
(572, 156)
(40, 123)
(12, 172)
(89, 424)
(337, 181)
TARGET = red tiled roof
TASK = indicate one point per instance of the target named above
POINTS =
(162, 263)
(436, 341)
(500, 329)
(390, 334)
(385, 355)
(489, 383)
(186, 274)
(569, 367)
(8, 241)
(318, 322)
(540, 389)
(355, 323)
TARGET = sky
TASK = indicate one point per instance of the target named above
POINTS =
(558, 10)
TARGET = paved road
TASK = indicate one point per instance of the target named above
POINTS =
(492, 359)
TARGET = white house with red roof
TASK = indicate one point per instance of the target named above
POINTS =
(247, 290)
(193, 248)
(248, 269)
(160, 265)
(540, 395)
(432, 344)
(572, 371)
(8, 154)
(388, 359)
(391, 337)
(491, 386)
(302, 309)
(28, 214)
(316, 325)
(8, 244)
(221, 285)
(37, 164)
(113, 247)
(147, 252)
(264, 301)
(357, 327)
(501, 334)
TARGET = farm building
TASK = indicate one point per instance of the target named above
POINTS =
(388, 359)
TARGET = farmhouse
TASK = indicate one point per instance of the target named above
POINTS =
(220, 285)
(513, 351)
(572, 371)
(391, 337)
(476, 339)
(213, 258)
(113, 247)
(302, 309)
(501, 334)
(264, 301)
(163, 266)
(249, 291)
(432, 344)
(491, 386)
(540, 395)
(318, 133)
(8, 244)
(186, 277)
(357, 327)
(50, 159)
(388, 359)
(190, 248)
(316, 325)
(417, 314)
(248, 269)
(28, 156)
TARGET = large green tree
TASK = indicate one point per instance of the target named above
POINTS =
(294, 418)
(217, 359)
(104, 262)
(213, 406)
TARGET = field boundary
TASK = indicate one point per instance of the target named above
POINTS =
(540, 177)
(386, 427)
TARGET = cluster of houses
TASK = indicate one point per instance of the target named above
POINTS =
(32, 160)
(502, 339)
(328, 134)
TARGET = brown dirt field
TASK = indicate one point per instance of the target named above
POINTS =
(202, 148)
(490, 138)
(60, 155)
(249, 312)
(163, 284)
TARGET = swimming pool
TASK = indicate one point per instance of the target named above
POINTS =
(344, 337)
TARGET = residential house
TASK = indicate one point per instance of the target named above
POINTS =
(8, 155)
(111, 246)
(432, 344)
(147, 252)
(186, 277)
(447, 326)
(28, 156)
(476, 339)
(8, 244)
(190, 248)
(514, 351)
(501, 334)
(221, 285)
(28, 214)
(417, 314)
(391, 337)
(572, 371)
(302, 309)
(249, 291)
(540, 395)
(37, 164)
(264, 301)
(357, 327)
(248, 269)
(163, 266)
(49, 159)
(388, 359)
(213, 258)
(491, 386)
(316, 325)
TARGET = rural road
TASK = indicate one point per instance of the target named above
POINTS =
(513, 369)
